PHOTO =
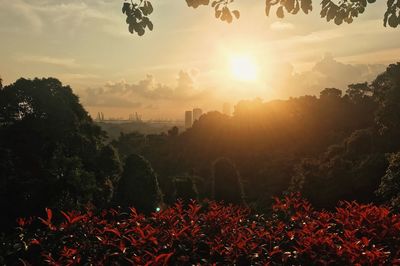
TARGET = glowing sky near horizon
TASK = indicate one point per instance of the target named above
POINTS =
(185, 61)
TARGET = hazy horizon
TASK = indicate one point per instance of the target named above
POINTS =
(86, 44)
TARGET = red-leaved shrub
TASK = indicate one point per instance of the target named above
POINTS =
(213, 233)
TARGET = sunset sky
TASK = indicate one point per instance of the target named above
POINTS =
(189, 59)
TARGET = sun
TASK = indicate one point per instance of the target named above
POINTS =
(243, 68)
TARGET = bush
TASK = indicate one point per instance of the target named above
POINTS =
(138, 185)
(389, 189)
(295, 234)
(226, 182)
(185, 189)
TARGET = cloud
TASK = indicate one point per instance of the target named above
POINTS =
(40, 16)
(21, 16)
(56, 61)
(93, 99)
(339, 74)
(146, 91)
(326, 73)
(281, 26)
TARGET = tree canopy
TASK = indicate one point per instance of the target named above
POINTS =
(138, 12)
(138, 185)
(51, 152)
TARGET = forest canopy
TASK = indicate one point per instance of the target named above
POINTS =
(338, 146)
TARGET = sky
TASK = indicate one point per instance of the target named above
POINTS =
(186, 61)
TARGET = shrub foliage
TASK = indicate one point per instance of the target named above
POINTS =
(294, 234)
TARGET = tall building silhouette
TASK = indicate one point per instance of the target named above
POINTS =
(100, 116)
(226, 109)
(188, 119)
(197, 112)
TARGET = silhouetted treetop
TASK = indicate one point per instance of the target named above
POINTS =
(138, 11)
(51, 152)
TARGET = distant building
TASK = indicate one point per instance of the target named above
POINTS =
(226, 109)
(188, 119)
(197, 112)
(100, 116)
(135, 117)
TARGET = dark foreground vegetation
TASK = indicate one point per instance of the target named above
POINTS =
(212, 233)
(335, 147)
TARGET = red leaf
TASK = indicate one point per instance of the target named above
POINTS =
(114, 231)
(35, 242)
(66, 216)
(77, 218)
(165, 256)
(49, 215)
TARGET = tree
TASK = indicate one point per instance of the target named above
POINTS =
(330, 93)
(389, 189)
(52, 154)
(227, 183)
(138, 186)
(173, 132)
(358, 92)
(386, 88)
(129, 143)
(185, 188)
(348, 171)
(109, 172)
(138, 12)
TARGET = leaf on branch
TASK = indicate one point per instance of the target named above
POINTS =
(279, 12)
(392, 14)
(236, 13)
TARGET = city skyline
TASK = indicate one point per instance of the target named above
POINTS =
(299, 55)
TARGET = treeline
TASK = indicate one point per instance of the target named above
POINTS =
(53, 155)
(338, 146)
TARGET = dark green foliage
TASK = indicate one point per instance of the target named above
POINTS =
(359, 92)
(128, 144)
(360, 142)
(386, 89)
(336, 11)
(344, 11)
(290, 6)
(137, 16)
(221, 8)
(109, 171)
(327, 181)
(353, 169)
(392, 16)
(265, 140)
(389, 188)
(330, 94)
(330, 147)
(52, 153)
(138, 186)
(173, 132)
(197, 3)
(185, 189)
(348, 171)
(227, 183)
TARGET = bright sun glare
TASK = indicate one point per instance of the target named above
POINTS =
(244, 68)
